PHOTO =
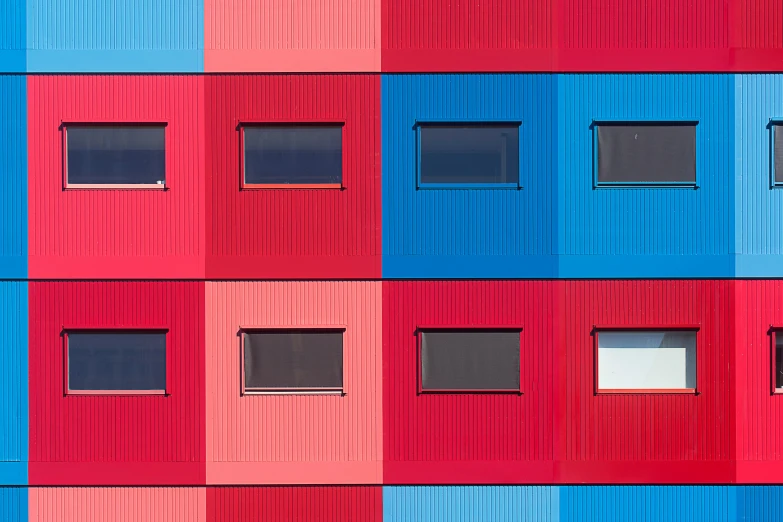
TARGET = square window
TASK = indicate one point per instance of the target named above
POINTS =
(115, 156)
(777, 153)
(469, 361)
(473, 155)
(646, 153)
(114, 362)
(646, 361)
(306, 156)
(777, 361)
(292, 361)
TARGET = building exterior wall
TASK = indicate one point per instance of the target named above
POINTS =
(13, 40)
(13, 172)
(14, 418)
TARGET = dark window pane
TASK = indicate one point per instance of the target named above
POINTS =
(293, 360)
(469, 154)
(779, 360)
(777, 133)
(470, 360)
(310, 155)
(117, 361)
(649, 153)
(130, 155)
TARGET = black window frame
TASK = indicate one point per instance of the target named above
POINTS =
(244, 390)
(775, 126)
(64, 126)
(67, 391)
(597, 123)
(244, 125)
(774, 332)
(424, 329)
(419, 124)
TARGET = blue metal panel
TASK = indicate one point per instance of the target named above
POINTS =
(646, 231)
(759, 503)
(470, 504)
(13, 504)
(759, 206)
(647, 503)
(13, 173)
(145, 36)
(468, 233)
(13, 385)
(12, 36)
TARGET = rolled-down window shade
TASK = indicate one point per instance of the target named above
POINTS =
(646, 360)
(470, 360)
(779, 360)
(777, 135)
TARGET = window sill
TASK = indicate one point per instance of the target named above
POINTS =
(468, 186)
(109, 186)
(293, 186)
(340, 393)
(673, 185)
(778, 391)
(470, 392)
(683, 391)
(112, 393)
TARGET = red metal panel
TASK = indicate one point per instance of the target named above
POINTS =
(654, 35)
(468, 439)
(97, 234)
(321, 504)
(466, 35)
(117, 440)
(757, 36)
(294, 233)
(644, 438)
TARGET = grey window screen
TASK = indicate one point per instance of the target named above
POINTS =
(306, 155)
(116, 361)
(130, 155)
(469, 154)
(647, 153)
(777, 135)
(470, 360)
(779, 359)
(293, 360)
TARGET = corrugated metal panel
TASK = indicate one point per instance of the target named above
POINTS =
(462, 438)
(757, 35)
(306, 439)
(656, 35)
(294, 234)
(759, 503)
(647, 504)
(13, 504)
(471, 504)
(759, 208)
(292, 36)
(143, 440)
(480, 233)
(646, 232)
(640, 439)
(118, 504)
(122, 36)
(13, 172)
(456, 36)
(13, 385)
(321, 504)
(13, 39)
(133, 234)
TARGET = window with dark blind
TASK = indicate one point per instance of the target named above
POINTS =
(656, 153)
(296, 156)
(470, 361)
(116, 362)
(777, 153)
(471, 154)
(777, 361)
(291, 360)
(116, 155)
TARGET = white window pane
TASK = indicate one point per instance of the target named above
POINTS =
(646, 360)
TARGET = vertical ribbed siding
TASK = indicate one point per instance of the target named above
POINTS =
(657, 434)
(13, 385)
(13, 505)
(115, 429)
(646, 232)
(305, 439)
(13, 172)
(316, 504)
(470, 504)
(118, 504)
(119, 36)
(13, 38)
(108, 234)
(759, 208)
(479, 233)
(648, 504)
(288, 233)
(468, 438)
(759, 503)
(758, 25)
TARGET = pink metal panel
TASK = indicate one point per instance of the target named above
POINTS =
(294, 439)
(118, 504)
(292, 36)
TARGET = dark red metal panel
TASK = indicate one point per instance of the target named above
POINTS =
(105, 234)
(644, 438)
(322, 504)
(468, 438)
(466, 36)
(757, 35)
(294, 233)
(112, 440)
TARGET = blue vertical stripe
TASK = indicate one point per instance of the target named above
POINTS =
(13, 173)
(13, 36)
(14, 418)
